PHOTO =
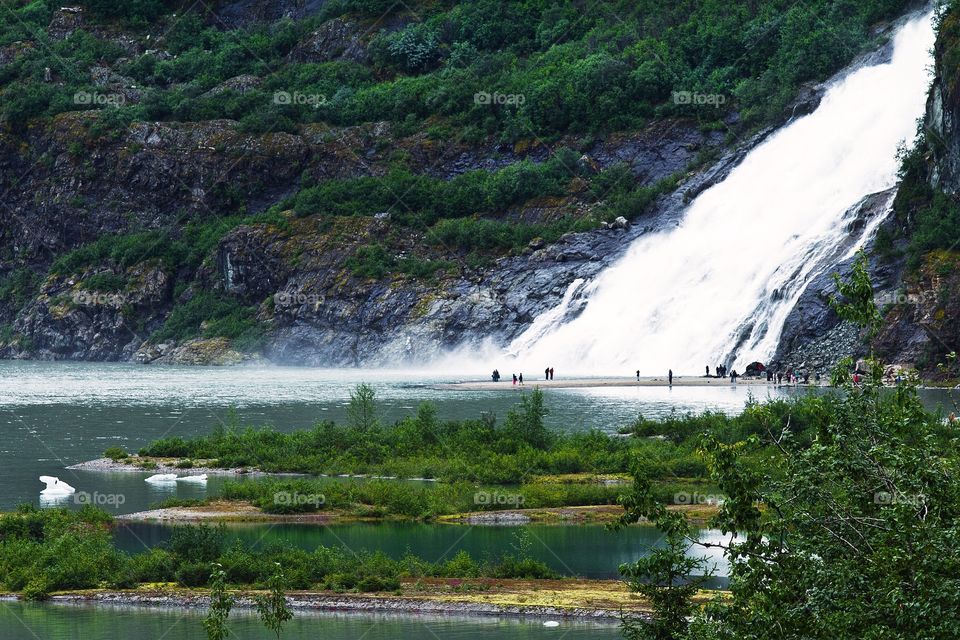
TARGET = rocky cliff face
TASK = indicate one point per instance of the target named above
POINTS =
(921, 324)
(69, 181)
(68, 187)
(922, 316)
(321, 314)
(943, 109)
(814, 337)
(320, 319)
(919, 296)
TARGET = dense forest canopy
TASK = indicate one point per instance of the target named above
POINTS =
(580, 66)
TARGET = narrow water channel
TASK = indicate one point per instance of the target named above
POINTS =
(589, 551)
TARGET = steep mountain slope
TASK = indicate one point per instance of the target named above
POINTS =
(353, 181)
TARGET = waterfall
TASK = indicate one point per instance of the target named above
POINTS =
(719, 285)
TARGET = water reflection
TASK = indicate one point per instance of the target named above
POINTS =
(589, 551)
(25, 621)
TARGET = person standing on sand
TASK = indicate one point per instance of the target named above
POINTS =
(521, 379)
(670, 377)
(546, 373)
(708, 372)
(551, 373)
(638, 375)
(514, 379)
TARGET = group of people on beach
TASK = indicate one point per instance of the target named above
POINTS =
(721, 371)
(757, 370)
(791, 376)
(517, 379)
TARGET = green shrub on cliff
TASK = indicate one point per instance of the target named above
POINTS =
(105, 282)
(139, 11)
(210, 315)
(411, 49)
(123, 251)
(481, 234)
(927, 218)
(421, 200)
(936, 226)
(18, 287)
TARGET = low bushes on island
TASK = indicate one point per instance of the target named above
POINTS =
(484, 451)
(42, 551)
(399, 499)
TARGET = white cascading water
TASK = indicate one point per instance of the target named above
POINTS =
(729, 274)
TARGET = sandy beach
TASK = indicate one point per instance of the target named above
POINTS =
(644, 381)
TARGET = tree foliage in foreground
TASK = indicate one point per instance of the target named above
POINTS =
(272, 607)
(853, 535)
(221, 602)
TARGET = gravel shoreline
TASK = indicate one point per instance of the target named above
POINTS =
(124, 466)
(577, 383)
(224, 512)
(119, 466)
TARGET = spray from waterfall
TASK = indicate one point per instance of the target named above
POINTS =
(720, 285)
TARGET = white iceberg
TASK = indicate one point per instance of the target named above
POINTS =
(201, 479)
(55, 487)
(159, 478)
